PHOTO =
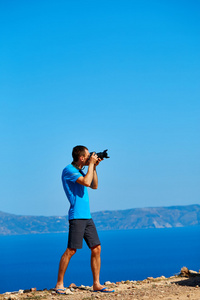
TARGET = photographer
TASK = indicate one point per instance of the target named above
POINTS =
(81, 225)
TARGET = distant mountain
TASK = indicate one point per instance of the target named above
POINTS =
(152, 217)
(136, 218)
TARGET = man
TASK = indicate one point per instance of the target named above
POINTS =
(81, 225)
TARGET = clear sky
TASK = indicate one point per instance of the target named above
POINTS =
(116, 75)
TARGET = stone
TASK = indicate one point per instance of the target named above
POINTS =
(185, 272)
(33, 289)
(27, 291)
(72, 285)
(107, 283)
(68, 292)
(127, 281)
(7, 293)
(193, 272)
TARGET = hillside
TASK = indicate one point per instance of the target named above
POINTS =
(136, 218)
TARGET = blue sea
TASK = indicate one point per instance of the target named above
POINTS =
(32, 260)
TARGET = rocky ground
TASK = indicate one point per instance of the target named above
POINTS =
(181, 287)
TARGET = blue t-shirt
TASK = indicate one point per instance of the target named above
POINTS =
(77, 194)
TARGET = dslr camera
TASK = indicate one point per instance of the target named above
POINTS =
(101, 155)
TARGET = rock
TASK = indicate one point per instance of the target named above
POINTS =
(193, 272)
(27, 291)
(107, 283)
(150, 278)
(33, 289)
(127, 281)
(72, 285)
(159, 278)
(185, 272)
(20, 291)
(68, 292)
(7, 293)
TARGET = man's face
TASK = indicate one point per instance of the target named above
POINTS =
(86, 157)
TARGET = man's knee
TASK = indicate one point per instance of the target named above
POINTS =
(96, 250)
(70, 251)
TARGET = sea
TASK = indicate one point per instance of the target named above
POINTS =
(28, 261)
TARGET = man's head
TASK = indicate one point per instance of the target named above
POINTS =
(80, 154)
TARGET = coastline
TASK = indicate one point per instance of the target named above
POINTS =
(184, 286)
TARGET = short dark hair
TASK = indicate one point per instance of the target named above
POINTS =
(78, 151)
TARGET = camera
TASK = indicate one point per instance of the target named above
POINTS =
(101, 155)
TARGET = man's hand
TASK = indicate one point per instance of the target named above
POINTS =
(98, 161)
(93, 159)
(96, 158)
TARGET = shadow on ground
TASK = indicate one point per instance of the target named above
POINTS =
(190, 281)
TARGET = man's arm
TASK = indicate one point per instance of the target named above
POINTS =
(89, 177)
(94, 184)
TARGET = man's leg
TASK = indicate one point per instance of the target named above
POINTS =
(63, 266)
(95, 266)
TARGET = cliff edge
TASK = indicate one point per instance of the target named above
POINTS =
(183, 287)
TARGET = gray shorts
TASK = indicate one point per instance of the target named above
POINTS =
(80, 229)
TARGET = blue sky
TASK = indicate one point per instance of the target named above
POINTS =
(116, 75)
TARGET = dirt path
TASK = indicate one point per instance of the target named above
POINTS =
(176, 287)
